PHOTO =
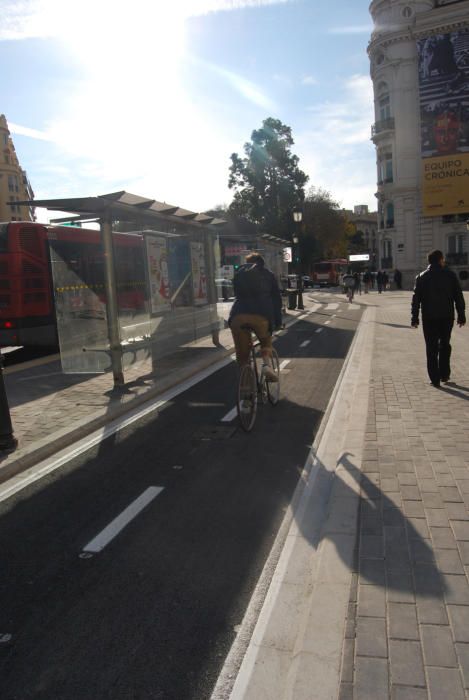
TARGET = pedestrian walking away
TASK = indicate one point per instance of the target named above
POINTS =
(436, 293)
(398, 278)
(358, 282)
(380, 281)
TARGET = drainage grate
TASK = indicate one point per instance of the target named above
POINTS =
(214, 432)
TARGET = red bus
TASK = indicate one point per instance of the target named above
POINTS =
(327, 272)
(27, 308)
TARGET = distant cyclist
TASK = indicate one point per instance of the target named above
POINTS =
(258, 305)
(349, 284)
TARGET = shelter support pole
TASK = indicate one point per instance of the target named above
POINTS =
(112, 314)
(8, 441)
(210, 243)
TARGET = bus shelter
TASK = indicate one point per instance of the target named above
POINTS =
(142, 285)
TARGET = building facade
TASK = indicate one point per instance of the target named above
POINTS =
(14, 184)
(366, 223)
(419, 64)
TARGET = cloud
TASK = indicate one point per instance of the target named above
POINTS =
(335, 148)
(22, 19)
(309, 80)
(31, 133)
(352, 29)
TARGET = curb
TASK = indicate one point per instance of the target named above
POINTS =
(236, 677)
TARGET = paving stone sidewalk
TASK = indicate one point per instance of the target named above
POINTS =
(407, 629)
(50, 410)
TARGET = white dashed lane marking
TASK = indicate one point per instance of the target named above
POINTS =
(319, 330)
(117, 525)
(305, 343)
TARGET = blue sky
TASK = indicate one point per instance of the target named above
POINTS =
(154, 96)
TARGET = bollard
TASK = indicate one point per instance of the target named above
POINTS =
(7, 439)
(292, 299)
(300, 293)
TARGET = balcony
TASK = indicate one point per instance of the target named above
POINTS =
(456, 258)
(382, 126)
(386, 263)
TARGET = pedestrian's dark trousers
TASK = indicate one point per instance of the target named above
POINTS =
(437, 334)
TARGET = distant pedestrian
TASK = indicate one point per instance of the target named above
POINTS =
(367, 281)
(358, 282)
(398, 278)
(379, 281)
(437, 291)
(385, 281)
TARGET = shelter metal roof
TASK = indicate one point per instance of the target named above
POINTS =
(124, 206)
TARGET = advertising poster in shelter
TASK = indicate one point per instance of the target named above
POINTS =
(199, 278)
(157, 260)
(444, 122)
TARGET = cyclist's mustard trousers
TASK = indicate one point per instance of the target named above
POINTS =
(242, 337)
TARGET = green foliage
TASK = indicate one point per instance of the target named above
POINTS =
(324, 229)
(267, 182)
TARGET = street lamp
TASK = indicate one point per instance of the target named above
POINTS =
(297, 217)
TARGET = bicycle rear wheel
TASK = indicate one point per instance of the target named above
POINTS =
(247, 397)
(273, 388)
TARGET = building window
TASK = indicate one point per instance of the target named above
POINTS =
(384, 107)
(389, 215)
(407, 12)
(452, 218)
(387, 249)
(455, 243)
(385, 168)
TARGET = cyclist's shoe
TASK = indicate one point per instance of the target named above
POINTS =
(269, 373)
(246, 406)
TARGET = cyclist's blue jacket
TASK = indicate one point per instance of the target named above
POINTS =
(265, 300)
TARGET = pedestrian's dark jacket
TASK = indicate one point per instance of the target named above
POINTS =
(437, 291)
(267, 301)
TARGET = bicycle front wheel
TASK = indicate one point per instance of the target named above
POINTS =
(247, 397)
(273, 388)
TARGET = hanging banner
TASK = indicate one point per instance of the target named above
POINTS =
(157, 258)
(444, 122)
(199, 279)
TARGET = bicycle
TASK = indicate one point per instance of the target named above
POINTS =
(253, 384)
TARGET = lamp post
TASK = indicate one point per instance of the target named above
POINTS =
(297, 217)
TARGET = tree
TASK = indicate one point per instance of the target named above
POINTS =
(325, 229)
(267, 182)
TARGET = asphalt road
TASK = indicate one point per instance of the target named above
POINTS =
(153, 614)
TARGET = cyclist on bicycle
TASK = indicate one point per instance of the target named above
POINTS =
(349, 284)
(258, 305)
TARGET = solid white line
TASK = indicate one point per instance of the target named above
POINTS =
(326, 323)
(230, 415)
(319, 330)
(118, 524)
(305, 343)
(283, 364)
(51, 464)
